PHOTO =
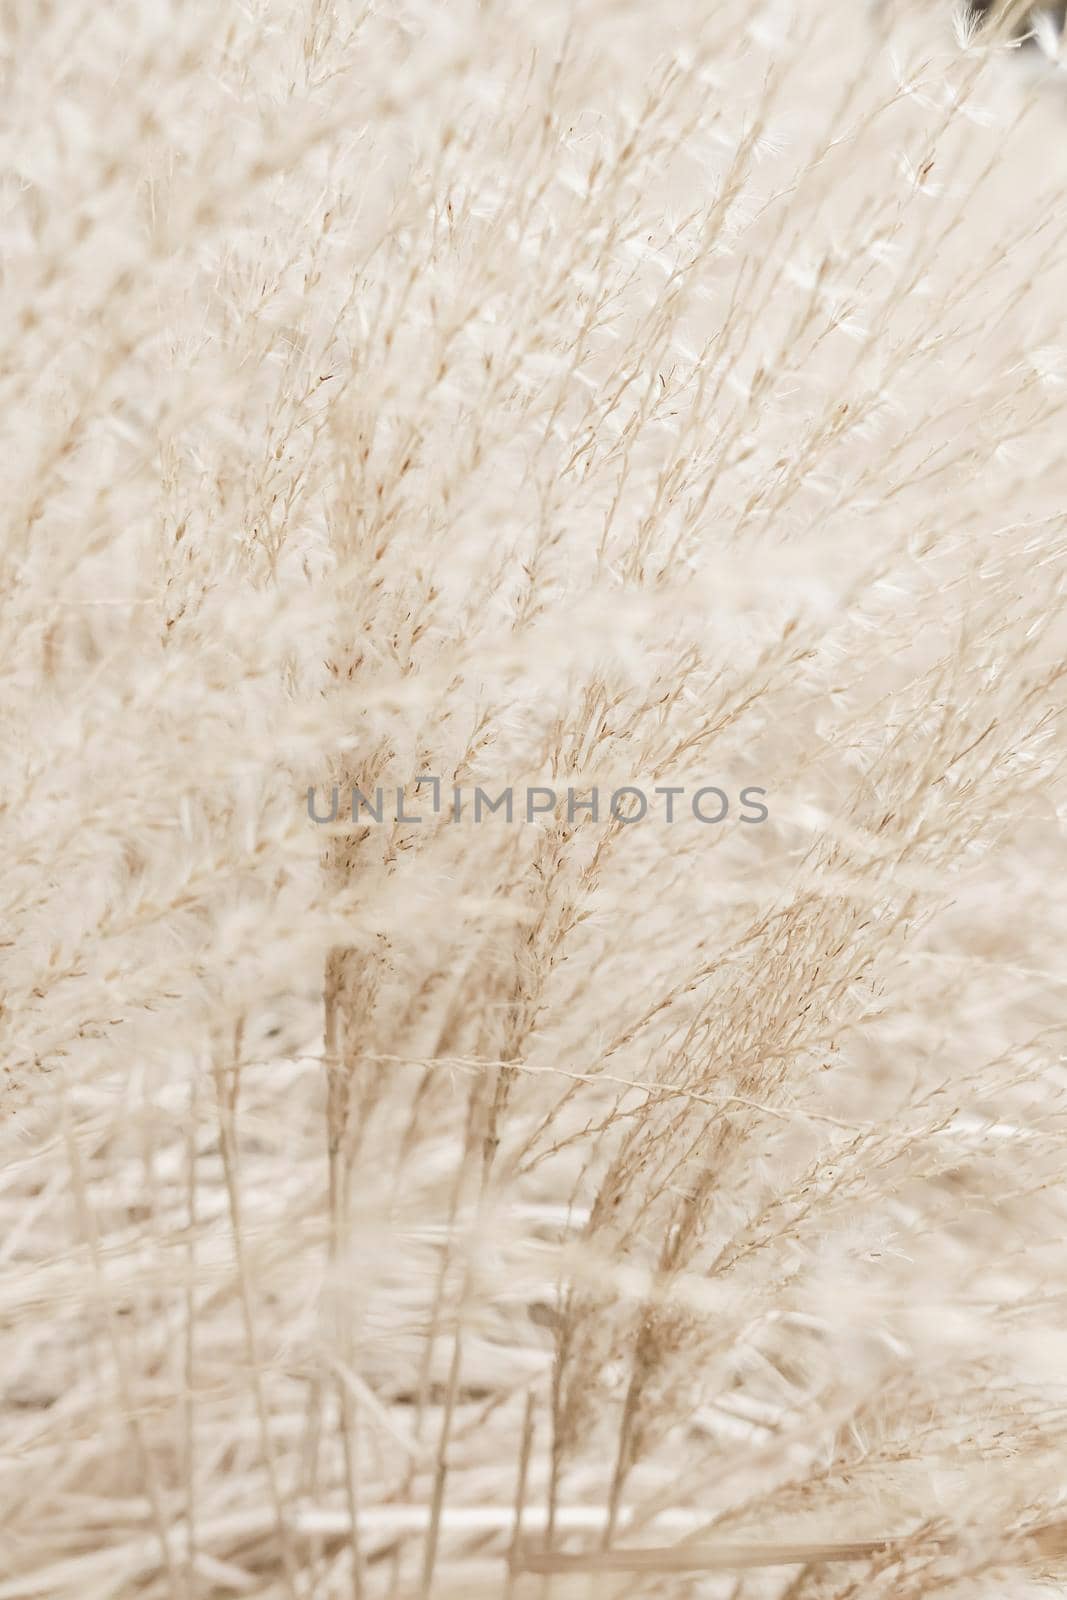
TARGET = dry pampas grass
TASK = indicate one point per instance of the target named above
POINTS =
(484, 395)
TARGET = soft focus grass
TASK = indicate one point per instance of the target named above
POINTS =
(628, 393)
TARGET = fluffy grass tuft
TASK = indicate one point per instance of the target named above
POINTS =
(630, 395)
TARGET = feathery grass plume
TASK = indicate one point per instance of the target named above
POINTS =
(533, 646)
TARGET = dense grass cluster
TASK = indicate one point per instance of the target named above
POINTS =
(635, 394)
